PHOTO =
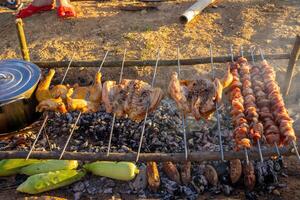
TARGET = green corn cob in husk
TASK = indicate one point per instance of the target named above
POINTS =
(48, 166)
(48, 181)
(124, 171)
(7, 165)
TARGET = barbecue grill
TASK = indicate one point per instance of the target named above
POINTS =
(252, 154)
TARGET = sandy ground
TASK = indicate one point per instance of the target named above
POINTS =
(102, 26)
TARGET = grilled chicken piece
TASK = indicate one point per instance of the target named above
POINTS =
(60, 91)
(93, 92)
(130, 98)
(56, 105)
(82, 105)
(199, 96)
(42, 91)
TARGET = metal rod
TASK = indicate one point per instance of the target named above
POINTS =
(246, 156)
(182, 115)
(258, 141)
(78, 117)
(159, 157)
(70, 135)
(47, 116)
(146, 115)
(259, 151)
(291, 65)
(37, 136)
(242, 51)
(296, 150)
(231, 53)
(277, 149)
(114, 117)
(142, 63)
(67, 70)
(217, 108)
(102, 63)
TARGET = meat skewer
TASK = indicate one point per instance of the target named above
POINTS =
(287, 134)
(217, 109)
(79, 115)
(47, 116)
(270, 127)
(248, 168)
(183, 115)
(146, 115)
(237, 100)
(114, 117)
(256, 128)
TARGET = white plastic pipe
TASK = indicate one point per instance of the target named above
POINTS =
(194, 10)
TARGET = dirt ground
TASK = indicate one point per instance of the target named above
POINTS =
(102, 26)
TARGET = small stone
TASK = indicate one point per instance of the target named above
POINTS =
(79, 187)
(107, 191)
(276, 192)
(77, 195)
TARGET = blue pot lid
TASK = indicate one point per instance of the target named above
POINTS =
(16, 78)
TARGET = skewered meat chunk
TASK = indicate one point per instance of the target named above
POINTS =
(56, 105)
(235, 170)
(263, 103)
(249, 176)
(238, 116)
(171, 171)
(132, 98)
(256, 129)
(42, 91)
(81, 105)
(198, 97)
(281, 116)
(91, 93)
(185, 173)
(51, 99)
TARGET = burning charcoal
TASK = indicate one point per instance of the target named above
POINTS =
(211, 175)
(261, 171)
(271, 174)
(251, 195)
(223, 172)
(140, 182)
(187, 192)
(79, 187)
(235, 170)
(200, 181)
(215, 190)
(227, 189)
(170, 186)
